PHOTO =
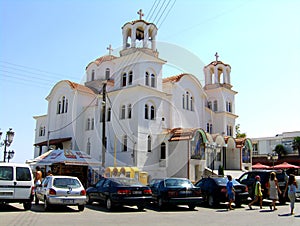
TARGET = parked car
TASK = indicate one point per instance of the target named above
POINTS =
(176, 191)
(214, 190)
(298, 189)
(119, 191)
(61, 190)
(16, 184)
(248, 178)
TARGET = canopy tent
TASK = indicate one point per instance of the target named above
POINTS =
(68, 157)
(260, 166)
(286, 165)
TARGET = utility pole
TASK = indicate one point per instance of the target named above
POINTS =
(103, 122)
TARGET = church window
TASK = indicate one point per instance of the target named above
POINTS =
(207, 127)
(88, 124)
(152, 112)
(63, 104)
(92, 124)
(107, 73)
(146, 111)
(124, 76)
(130, 77)
(229, 130)
(108, 114)
(183, 102)
(147, 79)
(129, 110)
(187, 100)
(88, 147)
(58, 107)
(215, 105)
(209, 105)
(149, 148)
(228, 106)
(210, 128)
(163, 151)
(153, 80)
(66, 107)
(191, 103)
(93, 75)
(123, 109)
(124, 143)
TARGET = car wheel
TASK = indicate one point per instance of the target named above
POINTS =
(81, 207)
(210, 201)
(141, 207)
(27, 205)
(192, 206)
(89, 200)
(109, 204)
(46, 204)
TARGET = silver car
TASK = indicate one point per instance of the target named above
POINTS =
(61, 190)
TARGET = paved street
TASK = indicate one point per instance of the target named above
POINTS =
(97, 215)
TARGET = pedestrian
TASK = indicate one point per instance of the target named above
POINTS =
(49, 173)
(230, 192)
(291, 187)
(37, 181)
(257, 193)
(273, 190)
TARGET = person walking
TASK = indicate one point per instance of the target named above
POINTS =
(230, 192)
(273, 190)
(37, 181)
(257, 193)
(291, 187)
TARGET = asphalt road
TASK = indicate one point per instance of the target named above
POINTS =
(14, 215)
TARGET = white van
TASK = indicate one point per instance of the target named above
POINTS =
(16, 184)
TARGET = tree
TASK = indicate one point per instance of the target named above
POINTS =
(296, 144)
(280, 150)
(238, 132)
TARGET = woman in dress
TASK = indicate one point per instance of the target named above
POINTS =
(291, 187)
(273, 190)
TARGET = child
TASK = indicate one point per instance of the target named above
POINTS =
(258, 193)
(230, 192)
(291, 185)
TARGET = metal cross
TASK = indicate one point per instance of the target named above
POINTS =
(217, 56)
(109, 49)
(141, 14)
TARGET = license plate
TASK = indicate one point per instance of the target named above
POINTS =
(137, 192)
(238, 190)
(68, 201)
(185, 192)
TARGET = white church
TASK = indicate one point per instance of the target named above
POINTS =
(126, 113)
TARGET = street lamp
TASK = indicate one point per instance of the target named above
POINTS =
(273, 157)
(6, 143)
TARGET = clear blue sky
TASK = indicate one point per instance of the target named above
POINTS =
(43, 42)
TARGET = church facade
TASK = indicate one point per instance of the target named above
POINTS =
(128, 114)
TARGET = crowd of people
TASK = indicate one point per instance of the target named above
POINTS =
(273, 192)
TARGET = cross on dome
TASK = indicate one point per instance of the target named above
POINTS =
(217, 56)
(109, 49)
(141, 14)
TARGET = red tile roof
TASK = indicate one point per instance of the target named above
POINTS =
(80, 87)
(174, 78)
(102, 59)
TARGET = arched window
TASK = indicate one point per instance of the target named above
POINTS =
(88, 124)
(209, 105)
(124, 79)
(215, 105)
(229, 107)
(163, 151)
(146, 112)
(207, 127)
(191, 103)
(93, 75)
(88, 147)
(63, 104)
(107, 73)
(124, 143)
(153, 83)
(108, 114)
(130, 77)
(183, 102)
(152, 112)
(92, 124)
(187, 95)
(129, 110)
(66, 108)
(149, 148)
(147, 78)
(123, 110)
(58, 107)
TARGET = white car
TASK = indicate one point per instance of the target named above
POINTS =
(61, 190)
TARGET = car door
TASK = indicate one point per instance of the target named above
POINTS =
(7, 182)
(105, 190)
(95, 193)
(23, 183)
(41, 190)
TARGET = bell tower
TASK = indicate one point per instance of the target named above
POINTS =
(139, 34)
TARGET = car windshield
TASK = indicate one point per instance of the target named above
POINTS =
(126, 181)
(178, 183)
(66, 183)
(224, 180)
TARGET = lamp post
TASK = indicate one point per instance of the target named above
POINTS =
(273, 157)
(6, 143)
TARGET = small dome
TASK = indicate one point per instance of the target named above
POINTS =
(102, 59)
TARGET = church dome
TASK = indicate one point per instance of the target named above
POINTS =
(102, 59)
